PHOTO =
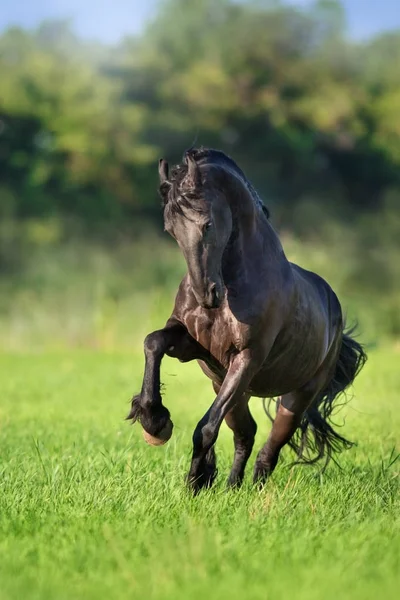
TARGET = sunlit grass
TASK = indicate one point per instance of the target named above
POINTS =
(87, 510)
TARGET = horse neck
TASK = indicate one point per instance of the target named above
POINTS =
(253, 240)
(244, 208)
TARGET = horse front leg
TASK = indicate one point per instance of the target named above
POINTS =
(147, 407)
(202, 469)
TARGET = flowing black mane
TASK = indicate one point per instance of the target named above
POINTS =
(171, 189)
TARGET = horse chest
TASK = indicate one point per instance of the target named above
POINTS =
(218, 333)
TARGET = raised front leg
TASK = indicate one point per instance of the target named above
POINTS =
(147, 407)
(232, 389)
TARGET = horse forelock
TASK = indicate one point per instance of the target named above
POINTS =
(178, 195)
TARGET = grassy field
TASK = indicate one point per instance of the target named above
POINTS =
(87, 510)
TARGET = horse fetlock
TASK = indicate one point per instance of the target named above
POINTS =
(203, 471)
(262, 472)
(153, 343)
(235, 481)
(203, 437)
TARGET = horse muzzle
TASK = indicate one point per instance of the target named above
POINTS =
(213, 297)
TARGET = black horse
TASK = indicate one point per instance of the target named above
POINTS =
(257, 324)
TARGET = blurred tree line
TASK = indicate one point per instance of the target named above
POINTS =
(309, 115)
(312, 117)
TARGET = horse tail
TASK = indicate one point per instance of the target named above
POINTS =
(315, 438)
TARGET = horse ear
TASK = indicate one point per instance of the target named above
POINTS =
(163, 170)
(193, 177)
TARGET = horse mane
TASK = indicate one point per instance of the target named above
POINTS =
(177, 199)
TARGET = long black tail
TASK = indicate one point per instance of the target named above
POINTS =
(315, 437)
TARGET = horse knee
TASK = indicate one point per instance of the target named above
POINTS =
(153, 343)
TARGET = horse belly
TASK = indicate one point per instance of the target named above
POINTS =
(266, 384)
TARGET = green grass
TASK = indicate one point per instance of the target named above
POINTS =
(87, 510)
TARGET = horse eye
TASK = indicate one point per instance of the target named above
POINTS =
(208, 226)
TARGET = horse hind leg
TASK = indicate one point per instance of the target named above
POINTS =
(290, 416)
(284, 426)
(244, 428)
(309, 409)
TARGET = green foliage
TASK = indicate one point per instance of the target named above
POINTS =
(87, 510)
(312, 118)
(65, 145)
(304, 111)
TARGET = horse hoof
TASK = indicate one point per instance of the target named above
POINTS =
(162, 437)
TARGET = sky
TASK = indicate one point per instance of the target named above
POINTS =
(109, 20)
